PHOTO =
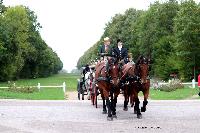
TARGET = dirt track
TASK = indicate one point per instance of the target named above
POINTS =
(22, 116)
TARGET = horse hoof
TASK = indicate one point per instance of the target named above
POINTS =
(139, 116)
(143, 109)
(110, 118)
(104, 112)
(114, 116)
(125, 109)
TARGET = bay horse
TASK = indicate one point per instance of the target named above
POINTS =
(136, 81)
(107, 83)
(141, 84)
(128, 76)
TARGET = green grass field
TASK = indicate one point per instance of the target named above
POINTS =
(174, 95)
(44, 93)
(71, 82)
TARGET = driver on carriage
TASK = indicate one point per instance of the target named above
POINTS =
(105, 51)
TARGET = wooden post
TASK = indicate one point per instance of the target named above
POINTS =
(64, 87)
(38, 86)
(193, 83)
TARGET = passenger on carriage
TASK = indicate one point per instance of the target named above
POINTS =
(120, 52)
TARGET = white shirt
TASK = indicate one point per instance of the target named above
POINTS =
(119, 47)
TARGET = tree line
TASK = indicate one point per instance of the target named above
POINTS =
(23, 53)
(168, 33)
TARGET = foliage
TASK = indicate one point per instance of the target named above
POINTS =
(167, 33)
(23, 53)
(187, 33)
(21, 89)
(44, 93)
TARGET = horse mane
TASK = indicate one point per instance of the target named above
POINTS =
(128, 68)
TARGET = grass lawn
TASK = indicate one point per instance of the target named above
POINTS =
(44, 93)
(174, 95)
(71, 82)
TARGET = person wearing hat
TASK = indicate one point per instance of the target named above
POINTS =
(120, 52)
(105, 51)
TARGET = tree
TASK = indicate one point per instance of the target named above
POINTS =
(186, 30)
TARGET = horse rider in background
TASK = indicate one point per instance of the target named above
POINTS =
(85, 70)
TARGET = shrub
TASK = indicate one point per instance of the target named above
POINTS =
(22, 89)
(171, 86)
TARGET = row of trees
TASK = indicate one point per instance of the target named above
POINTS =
(168, 33)
(23, 53)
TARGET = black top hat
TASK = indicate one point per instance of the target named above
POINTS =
(119, 40)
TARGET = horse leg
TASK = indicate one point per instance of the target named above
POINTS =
(137, 103)
(112, 102)
(132, 100)
(108, 104)
(125, 99)
(143, 108)
(104, 106)
(114, 108)
(83, 96)
(145, 102)
(131, 95)
(116, 94)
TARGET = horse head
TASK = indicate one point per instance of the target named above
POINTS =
(143, 66)
(113, 71)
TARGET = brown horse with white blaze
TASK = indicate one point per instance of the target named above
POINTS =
(107, 82)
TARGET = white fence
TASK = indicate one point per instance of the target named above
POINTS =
(190, 84)
(63, 86)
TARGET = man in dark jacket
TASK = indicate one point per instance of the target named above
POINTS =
(105, 51)
(120, 52)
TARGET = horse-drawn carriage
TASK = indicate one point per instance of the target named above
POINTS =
(86, 85)
(131, 78)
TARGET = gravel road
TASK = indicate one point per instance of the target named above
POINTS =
(25, 116)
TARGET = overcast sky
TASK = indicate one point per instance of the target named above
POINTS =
(70, 27)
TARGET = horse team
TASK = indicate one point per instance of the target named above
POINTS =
(130, 79)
